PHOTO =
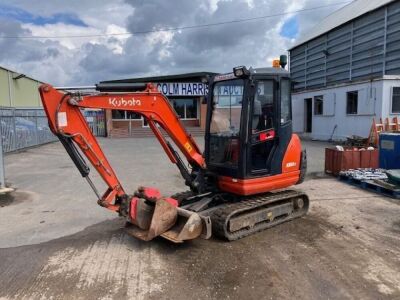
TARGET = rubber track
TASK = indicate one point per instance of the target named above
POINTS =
(220, 217)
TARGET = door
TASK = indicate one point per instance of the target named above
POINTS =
(145, 124)
(263, 127)
(308, 115)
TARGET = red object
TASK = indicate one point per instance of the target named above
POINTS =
(268, 135)
(172, 201)
(336, 161)
(369, 159)
(290, 175)
(149, 193)
(65, 118)
(132, 208)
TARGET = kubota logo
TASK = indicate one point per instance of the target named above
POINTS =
(291, 164)
(121, 102)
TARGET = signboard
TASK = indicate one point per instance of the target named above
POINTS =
(229, 90)
(183, 88)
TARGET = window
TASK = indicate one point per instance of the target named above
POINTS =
(285, 101)
(396, 100)
(352, 102)
(125, 115)
(318, 105)
(224, 145)
(185, 108)
(191, 108)
(225, 119)
(228, 95)
(118, 114)
(130, 115)
(263, 108)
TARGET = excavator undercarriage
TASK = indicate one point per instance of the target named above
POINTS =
(237, 186)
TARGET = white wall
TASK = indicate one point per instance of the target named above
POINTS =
(387, 97)
(334, 111)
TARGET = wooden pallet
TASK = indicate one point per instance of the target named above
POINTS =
(373, 186)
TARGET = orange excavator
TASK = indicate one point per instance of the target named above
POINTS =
(237, 186)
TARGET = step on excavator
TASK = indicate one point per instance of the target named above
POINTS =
(237, 187)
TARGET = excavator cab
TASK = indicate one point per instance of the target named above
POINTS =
(249, 123)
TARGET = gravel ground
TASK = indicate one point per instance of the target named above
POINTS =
(55, 242)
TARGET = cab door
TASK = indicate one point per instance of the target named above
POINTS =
(263, 128)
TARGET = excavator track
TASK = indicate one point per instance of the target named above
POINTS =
(255, 213)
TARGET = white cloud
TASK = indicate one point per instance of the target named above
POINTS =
(60, 29)
(89, 60)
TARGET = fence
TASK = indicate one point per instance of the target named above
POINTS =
(22, 128)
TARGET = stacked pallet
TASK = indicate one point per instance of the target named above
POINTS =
(375, 180)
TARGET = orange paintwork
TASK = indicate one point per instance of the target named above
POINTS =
(290, 175)
(291, 160)
(64, 115)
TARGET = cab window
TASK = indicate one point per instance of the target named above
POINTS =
(285, 101)
(263, 108)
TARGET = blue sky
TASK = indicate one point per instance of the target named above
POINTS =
(290, 28)
(99, 56)
(23, 16)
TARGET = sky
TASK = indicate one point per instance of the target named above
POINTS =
(103, 54)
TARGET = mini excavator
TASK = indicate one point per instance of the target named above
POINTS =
(237, 187)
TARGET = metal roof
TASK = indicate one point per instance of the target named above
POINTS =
(19, 73)
(341, 16)
(186, 76)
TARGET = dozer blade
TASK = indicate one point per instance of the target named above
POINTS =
(163, 218)
(189, 226)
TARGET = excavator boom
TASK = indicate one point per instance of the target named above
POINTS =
(66, 121)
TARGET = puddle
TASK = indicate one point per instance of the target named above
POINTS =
(15, 198)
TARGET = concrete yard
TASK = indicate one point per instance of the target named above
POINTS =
(56, 242)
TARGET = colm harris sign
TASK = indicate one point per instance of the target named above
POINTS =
(183, 88)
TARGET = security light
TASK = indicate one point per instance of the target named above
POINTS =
(241, 72)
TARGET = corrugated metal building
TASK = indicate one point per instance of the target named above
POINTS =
(346, 70)
(22, 119)
(18, 90)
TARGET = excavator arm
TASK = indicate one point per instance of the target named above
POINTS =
(64, 112)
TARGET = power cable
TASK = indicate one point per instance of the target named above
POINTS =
(175, 28)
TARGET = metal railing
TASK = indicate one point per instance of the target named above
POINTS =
(22, 128)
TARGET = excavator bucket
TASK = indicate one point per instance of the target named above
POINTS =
(189, 225)
(164, 217)
(171, 222)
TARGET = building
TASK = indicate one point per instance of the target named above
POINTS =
(346, 71)
(18, 90)
(184, 91)
(23, 122)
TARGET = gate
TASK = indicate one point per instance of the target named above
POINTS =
(22, 128)
(97, 121)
